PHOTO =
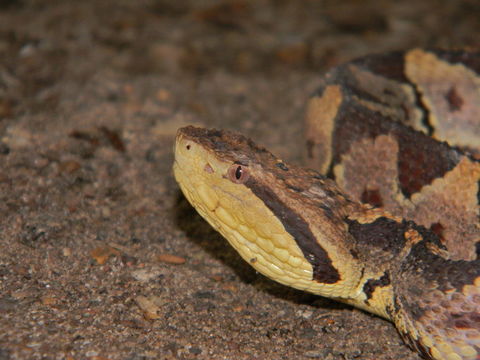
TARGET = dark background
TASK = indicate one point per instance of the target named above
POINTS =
(100, 256)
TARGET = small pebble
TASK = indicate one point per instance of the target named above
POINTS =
(102, 253)
(171, 259)
(149, 308)
(145, 275)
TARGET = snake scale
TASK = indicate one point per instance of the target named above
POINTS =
(389, 219)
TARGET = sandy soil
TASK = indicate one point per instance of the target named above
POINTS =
(100, 255)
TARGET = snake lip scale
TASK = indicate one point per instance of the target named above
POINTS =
(389, 220)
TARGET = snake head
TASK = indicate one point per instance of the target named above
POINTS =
(284, 220)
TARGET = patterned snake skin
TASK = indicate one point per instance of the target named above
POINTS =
(389, 220)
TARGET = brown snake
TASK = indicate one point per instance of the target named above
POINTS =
(398, 234)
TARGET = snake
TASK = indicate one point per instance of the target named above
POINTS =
(385, 215)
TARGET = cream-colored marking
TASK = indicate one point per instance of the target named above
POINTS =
(371, 215)
(319, 125)
(434, 78)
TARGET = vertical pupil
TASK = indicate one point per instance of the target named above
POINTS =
(238, 173)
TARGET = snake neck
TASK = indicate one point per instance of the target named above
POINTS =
(387, 246)
(417, 285)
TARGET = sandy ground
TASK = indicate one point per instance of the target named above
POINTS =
(100, 255)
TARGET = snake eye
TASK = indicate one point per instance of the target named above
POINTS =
(238, 174)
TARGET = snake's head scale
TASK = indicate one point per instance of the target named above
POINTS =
(282, 219)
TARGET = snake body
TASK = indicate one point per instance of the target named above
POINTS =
(397, 233)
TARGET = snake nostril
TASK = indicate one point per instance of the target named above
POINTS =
(188, 147)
